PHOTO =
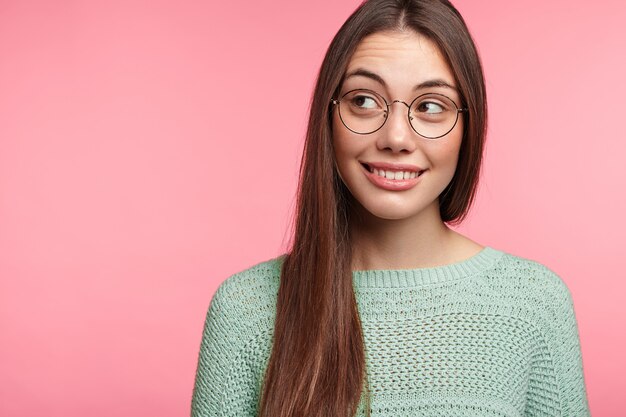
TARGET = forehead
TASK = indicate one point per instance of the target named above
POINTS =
(402, 59)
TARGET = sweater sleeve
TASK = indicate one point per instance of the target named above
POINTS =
(218, 385)
(565, 381)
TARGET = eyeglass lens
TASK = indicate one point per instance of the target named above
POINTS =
(431, 115)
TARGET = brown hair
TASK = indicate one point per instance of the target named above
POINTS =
(317, 366)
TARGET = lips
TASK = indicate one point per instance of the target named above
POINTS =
(392, 184)
(388, 166)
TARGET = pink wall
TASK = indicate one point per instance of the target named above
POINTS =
(149, 149)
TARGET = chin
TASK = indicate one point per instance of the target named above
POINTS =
(391, 212)
(390, 216)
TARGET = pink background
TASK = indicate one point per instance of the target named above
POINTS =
(148, 150)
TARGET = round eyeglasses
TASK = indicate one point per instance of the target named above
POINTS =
(431, 115)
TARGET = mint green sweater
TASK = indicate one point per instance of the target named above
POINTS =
(494, 335)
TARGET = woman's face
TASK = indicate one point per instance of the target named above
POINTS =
(392, 64)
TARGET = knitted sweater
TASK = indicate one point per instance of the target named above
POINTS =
(493, 335)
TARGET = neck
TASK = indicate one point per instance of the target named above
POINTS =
(420, 241)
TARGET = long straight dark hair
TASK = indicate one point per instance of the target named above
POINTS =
(317, 365)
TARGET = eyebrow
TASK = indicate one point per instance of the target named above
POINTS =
(437, 82)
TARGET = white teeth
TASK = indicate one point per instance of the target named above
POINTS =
(394, 175)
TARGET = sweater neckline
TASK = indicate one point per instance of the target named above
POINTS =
(415, 277)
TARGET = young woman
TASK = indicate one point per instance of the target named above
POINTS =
(379, 308)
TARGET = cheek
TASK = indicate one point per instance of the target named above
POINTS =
(453, 144)
(446, 154)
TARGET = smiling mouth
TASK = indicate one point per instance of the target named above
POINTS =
(393, 174)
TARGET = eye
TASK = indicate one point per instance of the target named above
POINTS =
(430, 107)
(364, 102)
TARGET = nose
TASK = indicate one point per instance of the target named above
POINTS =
(397, 133)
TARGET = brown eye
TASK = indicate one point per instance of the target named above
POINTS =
(364, 102)
(430, 107)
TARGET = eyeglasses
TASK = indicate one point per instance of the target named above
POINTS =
(431, 115)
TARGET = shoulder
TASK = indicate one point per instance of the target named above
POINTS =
(242, 288)
(241, 313)
(530, 275)
(548, 305)
(533, 289)
(236, 340)
(245, 302)
(254, 279)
